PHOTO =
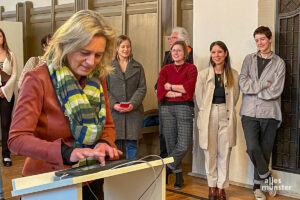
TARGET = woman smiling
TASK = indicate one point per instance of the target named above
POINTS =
(175, 90)
(217, 92)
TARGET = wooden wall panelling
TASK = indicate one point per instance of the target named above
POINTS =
(41, 25)
(142, 28)
(83, 5)
(111, 11)
(1, 12)
(9, 16)
(27, 6)
(187, 17)
(62, 13)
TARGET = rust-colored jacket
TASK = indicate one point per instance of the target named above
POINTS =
(39, 126)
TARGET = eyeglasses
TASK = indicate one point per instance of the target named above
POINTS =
(172, 38)
(176, 50)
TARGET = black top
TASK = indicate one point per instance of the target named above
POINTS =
(261, 64)
(219, 93)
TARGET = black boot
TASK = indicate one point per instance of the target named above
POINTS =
(168, 172)
(179, 181)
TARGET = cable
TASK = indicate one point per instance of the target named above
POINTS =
(156, 177)
(92, 191)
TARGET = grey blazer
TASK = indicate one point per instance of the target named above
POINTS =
(127, 87)
(259, 100)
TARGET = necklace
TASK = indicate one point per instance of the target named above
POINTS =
(177, 68)
(218, 77)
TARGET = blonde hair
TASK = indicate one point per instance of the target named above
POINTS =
(76, 33)
(121, 39)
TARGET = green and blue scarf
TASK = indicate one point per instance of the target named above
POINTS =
(85, 108)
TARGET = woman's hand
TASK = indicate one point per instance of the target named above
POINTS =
(172, 94)
(120, 109)
(81, 153)
(128, 109)
(103, 149)
(1, 93)
(167, 86)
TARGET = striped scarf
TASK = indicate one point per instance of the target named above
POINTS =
(85, 108)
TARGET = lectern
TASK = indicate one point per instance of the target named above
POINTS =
(128, 182)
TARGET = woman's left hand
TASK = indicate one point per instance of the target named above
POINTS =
(104, 149)
(1, 93)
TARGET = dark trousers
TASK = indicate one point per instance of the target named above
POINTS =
(5, 113)
(260, 135)
(162, 140)
(97, 189)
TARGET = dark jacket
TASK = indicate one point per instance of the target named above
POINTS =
(127, 87)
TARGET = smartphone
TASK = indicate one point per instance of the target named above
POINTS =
(124, 104)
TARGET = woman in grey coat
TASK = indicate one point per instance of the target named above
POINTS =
(126, 88)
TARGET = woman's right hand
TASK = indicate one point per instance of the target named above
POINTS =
(81, 153)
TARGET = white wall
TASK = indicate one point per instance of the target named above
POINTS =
(10, 5)
(233, 22)
(223, 20)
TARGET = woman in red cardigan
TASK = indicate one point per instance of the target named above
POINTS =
(175, 90)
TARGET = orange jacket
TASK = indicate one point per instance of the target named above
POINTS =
(39, 125)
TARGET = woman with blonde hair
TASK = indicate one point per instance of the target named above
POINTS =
(8, 76)
(126, 90)
(217, 92)
(62, 114)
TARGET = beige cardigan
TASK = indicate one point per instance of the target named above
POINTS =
(8, 88)
(204, 92)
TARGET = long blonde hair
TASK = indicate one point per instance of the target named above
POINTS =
(76, 33)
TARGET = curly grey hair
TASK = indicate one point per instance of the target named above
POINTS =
(182, 35)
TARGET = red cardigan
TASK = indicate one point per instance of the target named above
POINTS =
(39, 125)
(185, 75)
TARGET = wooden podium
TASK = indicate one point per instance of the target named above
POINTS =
(123, 183)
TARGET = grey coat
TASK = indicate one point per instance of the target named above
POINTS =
(127, 87)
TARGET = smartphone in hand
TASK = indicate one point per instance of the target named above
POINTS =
(124, 104)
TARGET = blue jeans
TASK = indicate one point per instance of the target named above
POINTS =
(131, 148)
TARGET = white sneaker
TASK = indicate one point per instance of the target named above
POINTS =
(269, 187)
(259, 195)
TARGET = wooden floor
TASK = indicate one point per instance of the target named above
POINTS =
(195, 188)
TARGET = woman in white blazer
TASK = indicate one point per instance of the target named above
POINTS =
(217, 92)
(8, 76)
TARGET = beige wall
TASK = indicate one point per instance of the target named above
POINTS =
(233, 21)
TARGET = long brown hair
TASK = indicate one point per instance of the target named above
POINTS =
(227, 65)
(5, 46)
